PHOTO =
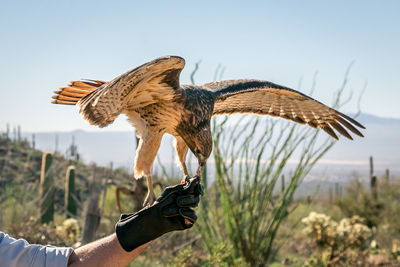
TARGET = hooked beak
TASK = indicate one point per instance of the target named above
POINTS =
(201, 159)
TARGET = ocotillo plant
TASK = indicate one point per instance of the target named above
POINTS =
(46, 190)
(70, 202)
(244, 213)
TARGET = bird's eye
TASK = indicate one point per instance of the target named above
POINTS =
(197, 151)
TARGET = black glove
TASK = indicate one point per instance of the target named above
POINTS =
(171, 211)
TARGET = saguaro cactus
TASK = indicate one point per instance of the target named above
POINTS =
(337, 190)
(373, 178)
(92, 210)
(69, 200)
(46, 190)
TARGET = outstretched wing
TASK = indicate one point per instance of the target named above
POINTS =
(147, 84)
(266, 98)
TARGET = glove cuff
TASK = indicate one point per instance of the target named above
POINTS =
(134, 230)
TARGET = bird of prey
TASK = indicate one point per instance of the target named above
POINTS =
(156, 103)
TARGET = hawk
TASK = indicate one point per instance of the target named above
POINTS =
(155, 103)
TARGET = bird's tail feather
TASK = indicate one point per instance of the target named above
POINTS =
(76, 90)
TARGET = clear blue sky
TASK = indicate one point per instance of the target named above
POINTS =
(45, 44)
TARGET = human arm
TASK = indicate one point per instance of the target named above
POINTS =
(18, 252)
(104, 252)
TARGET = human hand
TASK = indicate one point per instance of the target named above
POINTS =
(172, 211)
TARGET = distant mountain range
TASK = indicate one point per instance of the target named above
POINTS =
(382, 141)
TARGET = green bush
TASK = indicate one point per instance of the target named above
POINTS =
(340, 243)
(358, 200)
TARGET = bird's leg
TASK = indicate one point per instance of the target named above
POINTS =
(185, 171)
(181, 151)
(145, 155)
(151, 197)
(198, 172)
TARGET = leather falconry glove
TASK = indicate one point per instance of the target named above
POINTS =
(171, 211)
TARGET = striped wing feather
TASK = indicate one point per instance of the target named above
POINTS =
(71, 94)
(266, 98)
(149, 83)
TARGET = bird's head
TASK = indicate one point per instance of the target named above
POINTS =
(194, 126)
(198, 139)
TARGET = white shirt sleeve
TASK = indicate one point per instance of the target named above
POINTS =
(19, 252)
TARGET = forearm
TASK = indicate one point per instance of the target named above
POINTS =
(104, 252)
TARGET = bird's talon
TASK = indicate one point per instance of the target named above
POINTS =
(188, 222)
(150, 199)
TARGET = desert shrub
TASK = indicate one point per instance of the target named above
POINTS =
(36, 233)
(69, 231)
(220, 256)
(347, 243)
(359, 201)
(321, 229)
(395, 252)
(352, 232)
(381, 211)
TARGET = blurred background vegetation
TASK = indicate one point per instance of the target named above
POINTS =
(248, 216)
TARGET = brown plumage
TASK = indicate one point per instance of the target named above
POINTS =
(154, 101)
